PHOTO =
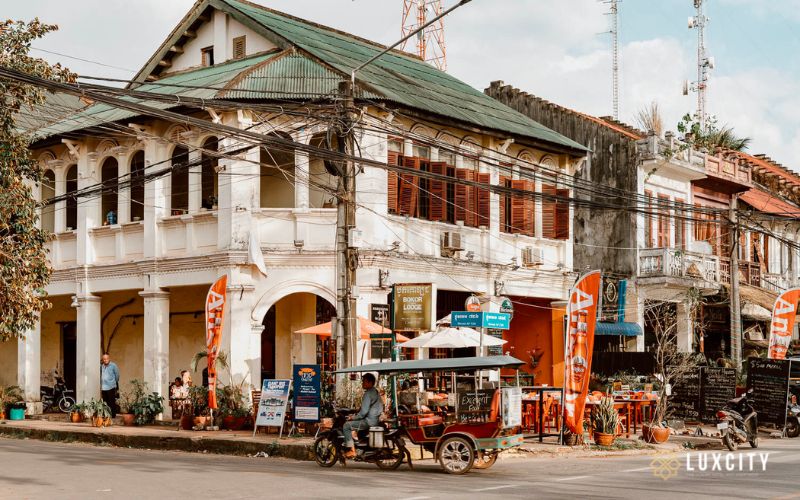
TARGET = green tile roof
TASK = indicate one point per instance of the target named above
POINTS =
(402, 79)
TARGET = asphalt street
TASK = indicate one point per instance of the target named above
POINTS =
(33, 469)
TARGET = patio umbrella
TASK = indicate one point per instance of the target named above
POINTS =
(452, 338)
(366, 327)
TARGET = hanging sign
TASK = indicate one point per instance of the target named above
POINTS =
(784, 313)
(413, 304)
(215, 313)
(581, 320)
(272, 407)
(306, 393)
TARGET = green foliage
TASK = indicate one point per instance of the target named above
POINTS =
(712, 137)
(605, 418)
(10, 394)
(198, 397)
(327, 395)
(24, 271)
(231, 401)
(96, 408)
(145, 404)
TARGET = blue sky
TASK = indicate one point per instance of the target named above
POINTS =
(550, 48)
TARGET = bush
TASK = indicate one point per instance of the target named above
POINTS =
(145, 404)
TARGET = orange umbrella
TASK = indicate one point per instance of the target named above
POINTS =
(366, 327)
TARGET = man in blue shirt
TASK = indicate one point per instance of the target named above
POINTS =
(109, 382)
(370, 414)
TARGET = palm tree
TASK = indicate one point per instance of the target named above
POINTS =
(221, 361)
(725, 138)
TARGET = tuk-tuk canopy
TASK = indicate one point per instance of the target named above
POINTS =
(436, 365)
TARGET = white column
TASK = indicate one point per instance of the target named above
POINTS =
(237, 199)
(155, 200)
(61, 206)
(124, 197)
(301, 173)
(685, 331)
(89, 350)
(156, 343)
(88, 207)
(29, 367)
(195, 181)
(241, 337)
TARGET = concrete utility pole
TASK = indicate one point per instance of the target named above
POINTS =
(736, 311)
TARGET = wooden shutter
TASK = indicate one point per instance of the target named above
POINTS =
(438, 193)
(503, 211)
(392, 180)
(663, 222)
(465, 200)
(548, 211)
(562, 215)
(483, 200)
(409, 189)
(239, 47)
(522, 209)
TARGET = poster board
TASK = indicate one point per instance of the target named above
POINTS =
(474, 405)
(413, 307)
(718, 387)
(307, 393)
(769, 380)
(512, 407)
(272, 407)
(686, 396)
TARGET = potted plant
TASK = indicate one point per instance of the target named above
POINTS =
(16, 410)
(232, 407)
(605, 420)
(76, 412)
(9, 394)
(126, 402)
(99, 412)
(145, 404)
(198, 416)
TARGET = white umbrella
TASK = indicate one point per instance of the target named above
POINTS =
(452, 338)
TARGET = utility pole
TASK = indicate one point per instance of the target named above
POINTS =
(736, 311)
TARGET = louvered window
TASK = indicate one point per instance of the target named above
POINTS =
(648, 220)
(239, 47)
(663, 222)
(523, 220)
(409, 188)
(207, 56)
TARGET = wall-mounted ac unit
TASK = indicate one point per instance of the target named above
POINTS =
(532, 256)
(451, 243)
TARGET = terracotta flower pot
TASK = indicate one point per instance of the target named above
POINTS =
(654, 434)
(233, 423)
(603, 439)
(97, 421)
(2, 415)
(107, 422)
(187, 422)
(128, 419)
(200, 422)
(75, 417)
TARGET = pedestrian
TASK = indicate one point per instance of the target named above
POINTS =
(186, 378)
(109, 382)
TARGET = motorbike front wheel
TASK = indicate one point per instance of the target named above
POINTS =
(754, 442)
(391, 456)
(325, 452)
(66, 404)
(729, 441)
(792, 428)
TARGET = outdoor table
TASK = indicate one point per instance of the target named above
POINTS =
(539, 407)
(622, 406)
(636, 405)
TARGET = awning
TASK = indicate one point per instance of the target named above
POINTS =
(624, 329)
(756, 312)
(446, 364)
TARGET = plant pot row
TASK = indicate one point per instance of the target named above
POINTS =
(229, 422)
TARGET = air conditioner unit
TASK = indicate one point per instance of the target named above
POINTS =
(532, 256)
(451, 243)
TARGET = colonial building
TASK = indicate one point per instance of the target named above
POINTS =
(178, 206)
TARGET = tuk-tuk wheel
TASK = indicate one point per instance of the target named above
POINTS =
(485, 460)
(456, 455)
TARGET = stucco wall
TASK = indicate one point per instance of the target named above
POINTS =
(8, 362)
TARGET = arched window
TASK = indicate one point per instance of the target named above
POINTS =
(277, 177)
(48, 192)
(72, 200)
(322, 185)
(180, 181)
(208, 177)
(137, 186)
(109, 173)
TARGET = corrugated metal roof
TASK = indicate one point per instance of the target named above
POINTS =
(402, 79)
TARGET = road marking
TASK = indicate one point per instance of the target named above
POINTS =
(573, 478)
(414, 498)
(637, 470)
(497, 487)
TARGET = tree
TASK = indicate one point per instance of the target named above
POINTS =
(24, 271)
(711, 137)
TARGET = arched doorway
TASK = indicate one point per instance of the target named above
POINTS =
(179, 194)
(281, 347)
(208, 176)
(72, 200)
(137, 186)
(48, 192)
(109, 172)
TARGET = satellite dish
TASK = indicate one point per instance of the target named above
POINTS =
(691, 22)
(710, 62)
(685, 87)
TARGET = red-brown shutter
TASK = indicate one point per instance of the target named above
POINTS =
(548, 211)
(465, 201)
(438, 193)
(522, 209)
(562, 215)
(483, 200)
(392, 179)
(409, 189)
(503, 211)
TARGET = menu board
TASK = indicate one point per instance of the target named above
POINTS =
(685, 398)
(272, 407)
(474, 405)
(718, 387)
(495, 350)
(306, 393)
(769, 380)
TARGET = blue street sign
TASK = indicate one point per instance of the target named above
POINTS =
(497, 321)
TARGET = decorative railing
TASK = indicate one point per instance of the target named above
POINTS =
(677, 263)
(749, 272)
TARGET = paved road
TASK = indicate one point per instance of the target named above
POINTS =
(33, 469)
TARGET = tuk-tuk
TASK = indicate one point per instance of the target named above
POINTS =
(465, 423)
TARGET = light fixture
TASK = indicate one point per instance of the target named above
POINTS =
(75, 303)
(299, 244)
(513, 265)
(395, 246)
(470, 255)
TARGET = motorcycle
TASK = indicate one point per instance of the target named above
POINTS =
(792, 428)
(738, 422)
(58, 396)
(381, 446)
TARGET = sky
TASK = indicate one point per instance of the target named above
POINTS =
(555, 49)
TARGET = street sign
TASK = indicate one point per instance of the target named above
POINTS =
(497, 321)
(473, 304)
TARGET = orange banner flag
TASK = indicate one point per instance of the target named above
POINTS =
(215, 313)
(784, 313)
(581, 321)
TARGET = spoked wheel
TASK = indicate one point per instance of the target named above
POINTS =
(391, 456)
(325, 452)
(730, 442)
(792, 428)
(485, 460)
(66, 404)
(456, 455)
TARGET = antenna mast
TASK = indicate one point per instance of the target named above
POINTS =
(704, 62)
(614, 13)
(430, 41)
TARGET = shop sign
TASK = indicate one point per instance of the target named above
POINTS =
(272, 407)
(512, 407)
(497, 321)
(413, 305)
(307, 393)
(379, 313)
(506, 306)
(472, 304)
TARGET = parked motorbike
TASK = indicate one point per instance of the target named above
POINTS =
(379, 445)
(792, 428)
(738, 422)
(58, 396)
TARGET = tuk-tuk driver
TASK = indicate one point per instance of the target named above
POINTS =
(368, 416)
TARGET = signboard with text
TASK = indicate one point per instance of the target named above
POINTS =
(496, 321)
(272, 407)
(307, 393)
(413, 306)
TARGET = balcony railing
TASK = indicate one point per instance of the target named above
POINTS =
(749, 272)
(774, 282)
(672, 262)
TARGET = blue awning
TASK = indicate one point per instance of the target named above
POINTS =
(624, 329)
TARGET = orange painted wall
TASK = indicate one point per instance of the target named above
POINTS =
(532, 328)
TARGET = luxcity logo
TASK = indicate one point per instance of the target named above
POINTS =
(668, 467)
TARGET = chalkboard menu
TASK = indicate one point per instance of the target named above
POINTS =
(475, 405)
(718, 387)
(769, 379)
(498, 349)
(685, 399)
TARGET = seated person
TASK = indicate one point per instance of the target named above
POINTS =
(368, 416)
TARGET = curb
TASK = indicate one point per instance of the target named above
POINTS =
(187, 444)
